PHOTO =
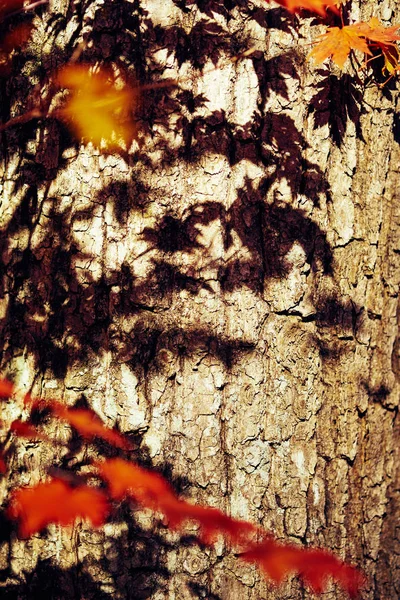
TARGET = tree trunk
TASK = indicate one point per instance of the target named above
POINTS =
(226, 293)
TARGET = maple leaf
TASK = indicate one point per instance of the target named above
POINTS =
(97, 109)
(27, 430)
(3, 464)
(10, 6)
(316, 6)
(391, 58)
(56, 502)
(6, 388)
(376, 31)
(89, 425)
(212, 522)
(383, 38)
(337, 43)
(125, 478)
(315, 566)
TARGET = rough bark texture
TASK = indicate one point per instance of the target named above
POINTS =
(226, 293)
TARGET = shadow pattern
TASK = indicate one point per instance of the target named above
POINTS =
(48, 306)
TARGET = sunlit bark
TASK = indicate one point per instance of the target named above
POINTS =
(225, 291)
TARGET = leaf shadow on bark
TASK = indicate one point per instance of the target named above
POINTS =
(267, 230)
(277, 18)
(59, 320)
(337, 101)
(274, 73)
(396, 127)
(209, 7)
(50, 581)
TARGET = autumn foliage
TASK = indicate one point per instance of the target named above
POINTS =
(96, 107)
(56, 502)
(317, 6)
(99, 105)
(64, 499)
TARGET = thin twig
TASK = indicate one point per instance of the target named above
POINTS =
(35, 113)
(25, 9)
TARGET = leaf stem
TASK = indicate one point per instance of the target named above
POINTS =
(35, 113)
(25, 9)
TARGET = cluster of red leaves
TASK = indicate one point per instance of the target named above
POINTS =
(61, 501)
(151, 490)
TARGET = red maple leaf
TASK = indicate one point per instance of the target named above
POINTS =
(56, 502)
(6, 388)
(89, 425)
(316, 6)
(127, 479)
(212, 522)
(28, 430)
(315, 566)
(152, 491)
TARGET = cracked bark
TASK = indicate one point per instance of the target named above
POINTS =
(226, 293)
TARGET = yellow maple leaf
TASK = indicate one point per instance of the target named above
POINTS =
(96, 108)
(337, 43)
(391, 57)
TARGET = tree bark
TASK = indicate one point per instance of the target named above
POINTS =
(225, 292)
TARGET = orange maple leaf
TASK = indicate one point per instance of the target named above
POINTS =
(337, 43)
(89, 425)
(316, 6)
(391, 57)
(315, 566)
(376, 31)
(383, 38)
(96, 108)
(56, 502)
